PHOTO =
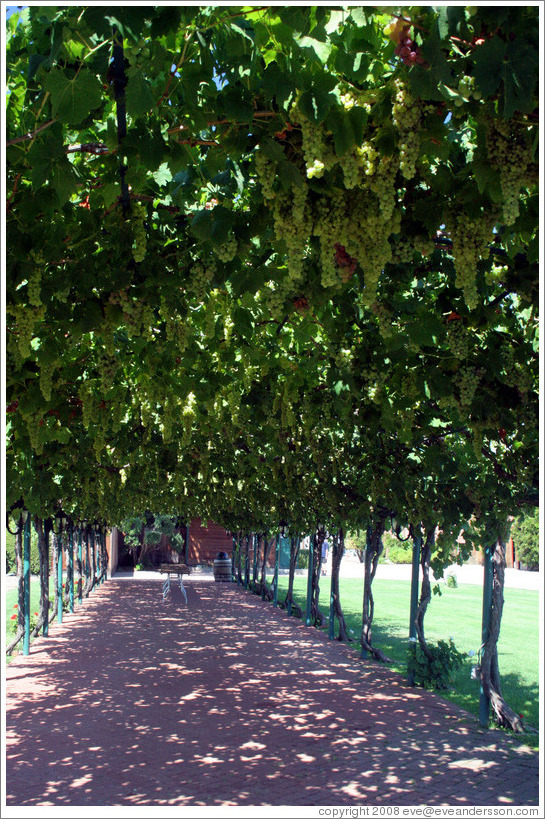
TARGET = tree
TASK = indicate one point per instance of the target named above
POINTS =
(525, 534)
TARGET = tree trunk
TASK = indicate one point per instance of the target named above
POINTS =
(361, 555)
(425, 591)
(490, 675)
(372, 553)
(316, 615)
(289, 603)
(20, 589)
(338, 552)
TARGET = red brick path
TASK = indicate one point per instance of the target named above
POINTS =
(228, 702)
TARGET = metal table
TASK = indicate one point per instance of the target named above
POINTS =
(178, 569)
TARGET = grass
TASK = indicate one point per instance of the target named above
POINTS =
(457, 613)
(12, 601)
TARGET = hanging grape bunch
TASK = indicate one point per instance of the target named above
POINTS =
(346, 263)
(457, 337)
(139, 232)
(406, 49)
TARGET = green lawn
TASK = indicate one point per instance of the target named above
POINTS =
(11, 602)
(457, 613)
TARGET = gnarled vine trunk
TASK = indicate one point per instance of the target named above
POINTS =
(490, 673)
(42, 530)
(373, 551)
(265, 590)
(425, 591)
(289, 603)
(247, 561)
(337, 556)
(316, 615)
(90, 556)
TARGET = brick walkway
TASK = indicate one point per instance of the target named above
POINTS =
(133, 701)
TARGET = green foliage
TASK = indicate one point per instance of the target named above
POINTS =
(525, 534)
(303, 559)
(271, 304)
(396, 551)
(11, 564)
(451, 581)
(435, 671)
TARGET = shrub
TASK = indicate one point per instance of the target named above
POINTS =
(452, 582)
(11, 564)
(437, 671)
(302, 559)
(525, 534)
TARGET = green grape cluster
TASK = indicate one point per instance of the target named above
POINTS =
(118, 412)
(33, 422)
(201, 274)
(467, 380)
(293, 228)
(409, 386)
(26, 320)
(99, 441)
(344, 359)
(266, 173)
(373, 380)
(107, 368)
(228, 327)
(329, 226)
(402, 251)
(139, 232)
(227, 251)
(509, 150)
(366, 234)
(88, 404)
(496, 273)
(132, 311)
(167, 422)
(423, 244)
(314, 148)
(47, 369)
(34, 287)
(406, 115)
(275, 298)
(470, 239)
(107, 332)
(466, 87)
(147, 318)
(383, 185)
(458, 339)
(386, 326)
(138, 53)
(352, 169)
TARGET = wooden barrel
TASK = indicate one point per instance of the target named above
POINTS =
(222, 570)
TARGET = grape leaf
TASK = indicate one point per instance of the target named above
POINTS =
(73, 98)
(139, 95)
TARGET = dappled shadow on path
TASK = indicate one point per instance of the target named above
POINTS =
(227, 701)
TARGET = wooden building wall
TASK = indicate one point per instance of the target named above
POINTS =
(205, 543)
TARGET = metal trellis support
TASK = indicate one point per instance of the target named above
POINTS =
(417, 545)
(26, 584)
(488, 579)
(276, 561)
